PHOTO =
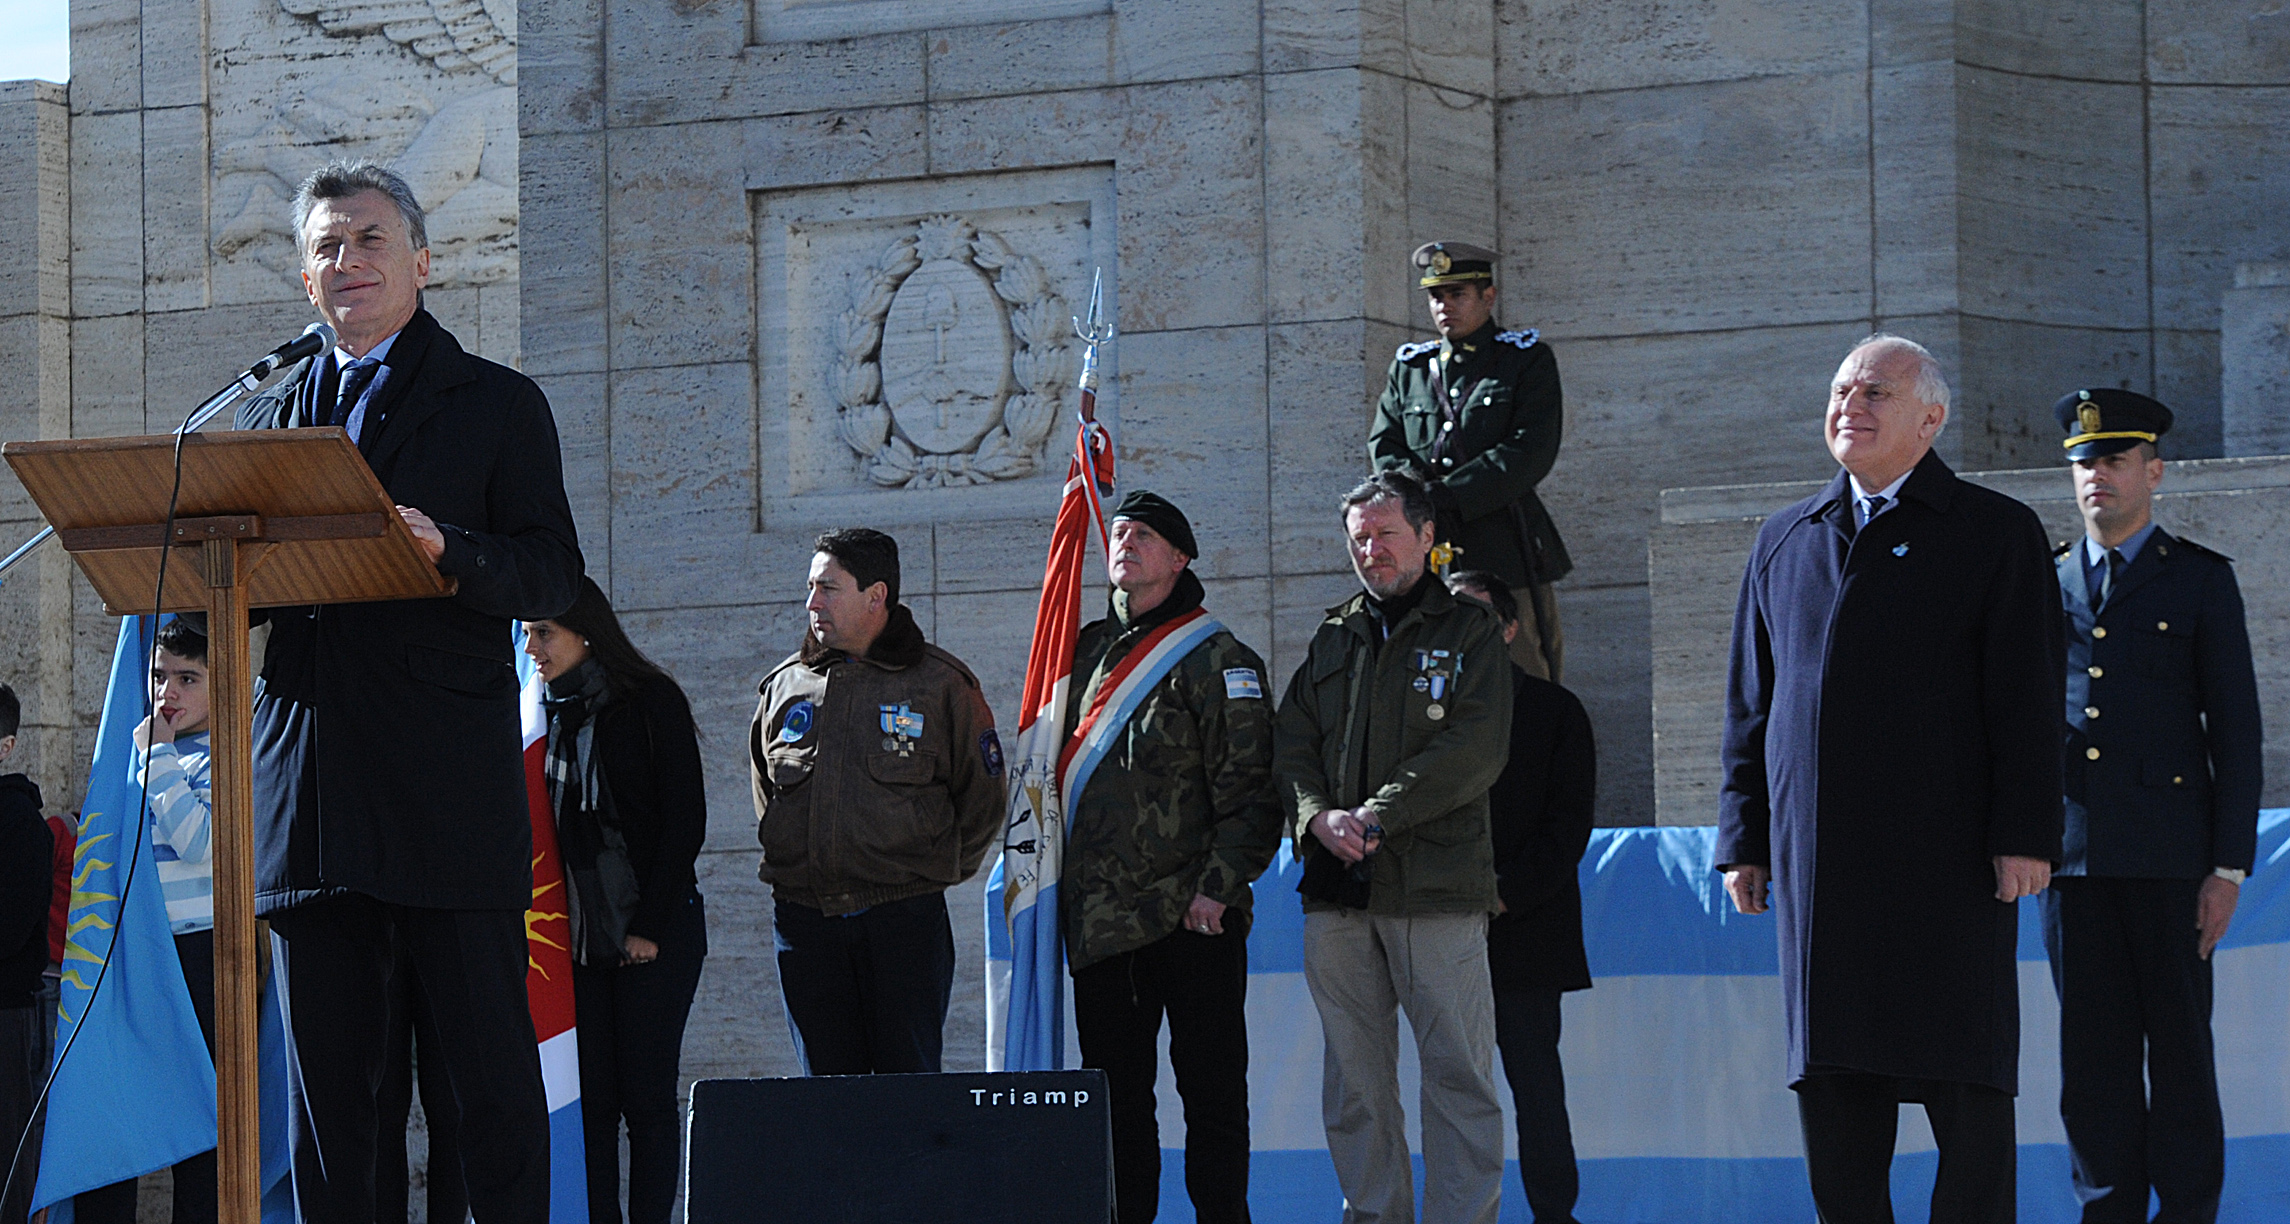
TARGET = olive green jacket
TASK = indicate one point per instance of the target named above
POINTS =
(1182, 802)
(1356, 727)
(1510, 416)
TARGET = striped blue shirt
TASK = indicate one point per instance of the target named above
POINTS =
(182, 830)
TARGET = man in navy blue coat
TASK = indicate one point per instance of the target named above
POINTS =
(1892, 765)
(2163, 771)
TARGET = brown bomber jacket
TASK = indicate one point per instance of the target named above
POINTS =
(877, 778)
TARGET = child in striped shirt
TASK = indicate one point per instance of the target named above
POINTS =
(173, 747)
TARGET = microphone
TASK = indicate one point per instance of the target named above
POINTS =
(316, 338)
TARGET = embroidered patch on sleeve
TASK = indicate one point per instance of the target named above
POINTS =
(990, 751)
(1242, 682)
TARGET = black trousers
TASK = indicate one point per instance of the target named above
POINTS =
(21, 1072)
(1201, 983)
(1850, 1119)
(196, 1178)
(415, 1059)
(335, 960)
(631, 1020)
(2138, 1079)
(866, 993)
(1527, 1032)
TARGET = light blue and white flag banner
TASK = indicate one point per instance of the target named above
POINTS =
(136, 1089)
(1674, 1062)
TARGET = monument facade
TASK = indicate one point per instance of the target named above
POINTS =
(783, 265)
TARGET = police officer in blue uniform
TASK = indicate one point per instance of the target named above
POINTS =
(2162, 781)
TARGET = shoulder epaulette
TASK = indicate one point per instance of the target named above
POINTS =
(1522, 339)
(1409, 352)
(2060, 549)
(2212, 553)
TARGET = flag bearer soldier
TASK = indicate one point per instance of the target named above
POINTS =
(1173, 822)
(1478, 414)
(2162, 780)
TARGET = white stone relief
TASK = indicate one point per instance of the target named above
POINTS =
(950, 364)
(450, 127)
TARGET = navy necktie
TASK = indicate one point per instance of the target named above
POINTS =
(356, 377)
(2107, 577)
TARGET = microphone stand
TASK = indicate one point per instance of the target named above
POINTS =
(205, 412)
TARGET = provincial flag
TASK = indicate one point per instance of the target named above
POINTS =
(134, 1087)
(1025, 966)
(548, 967)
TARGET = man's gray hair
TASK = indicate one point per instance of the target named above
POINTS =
(1931, 381)
(343, 179)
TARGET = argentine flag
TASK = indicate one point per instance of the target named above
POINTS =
(1674, 1061)
(135, 1089)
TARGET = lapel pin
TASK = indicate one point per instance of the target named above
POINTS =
(1900, 550)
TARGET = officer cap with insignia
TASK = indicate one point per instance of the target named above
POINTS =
(2105, 420)
(1453, 263)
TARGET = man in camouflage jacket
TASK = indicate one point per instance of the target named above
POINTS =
(1170, 828)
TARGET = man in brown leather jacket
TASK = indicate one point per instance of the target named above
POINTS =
(878, 785)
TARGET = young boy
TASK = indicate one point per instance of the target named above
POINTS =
(24, 889)
(174, 747)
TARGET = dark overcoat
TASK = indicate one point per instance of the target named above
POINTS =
(1540, 814)
(2163, 738)
(1890, 729)
(388, 758)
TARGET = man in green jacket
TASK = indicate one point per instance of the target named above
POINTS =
(1174, 821)
(1478, 414)
(1391, 733)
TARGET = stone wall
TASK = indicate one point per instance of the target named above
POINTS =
(2236, 506)
(35, 402)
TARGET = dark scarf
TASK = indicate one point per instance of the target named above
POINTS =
(602, 883)
(1388, 613)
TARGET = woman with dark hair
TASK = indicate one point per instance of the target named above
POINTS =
(624, 776)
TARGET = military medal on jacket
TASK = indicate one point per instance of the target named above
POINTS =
(902, 727)
(1434, 672)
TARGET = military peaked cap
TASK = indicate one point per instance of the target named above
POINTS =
(2104, 420)
(1453, 263)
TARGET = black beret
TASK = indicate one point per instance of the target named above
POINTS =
(1160, 514)
(2104, 420)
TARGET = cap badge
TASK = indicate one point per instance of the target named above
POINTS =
(1440, 261)
(2087, 414)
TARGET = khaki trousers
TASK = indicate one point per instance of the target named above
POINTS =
(1362, 971)
(1538, 623)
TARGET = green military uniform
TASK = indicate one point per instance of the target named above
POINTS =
(1416, 727)
(1480, 418)
(1182, 803)
(1414, 724)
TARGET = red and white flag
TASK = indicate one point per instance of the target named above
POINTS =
(548, 968)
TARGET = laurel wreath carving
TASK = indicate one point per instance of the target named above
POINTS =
(1040, 363)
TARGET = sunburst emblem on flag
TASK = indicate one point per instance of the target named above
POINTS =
(83, 915)
(536, 916)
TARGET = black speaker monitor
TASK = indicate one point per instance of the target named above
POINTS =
(1018, 1148)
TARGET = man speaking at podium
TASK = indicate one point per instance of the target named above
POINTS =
(389, 785)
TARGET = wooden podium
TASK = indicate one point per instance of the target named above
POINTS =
(264, 518)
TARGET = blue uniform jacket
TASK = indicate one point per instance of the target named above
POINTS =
(2162, 738)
